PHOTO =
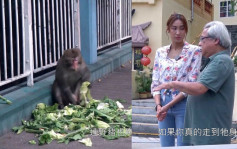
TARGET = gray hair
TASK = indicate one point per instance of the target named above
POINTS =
(218, 30)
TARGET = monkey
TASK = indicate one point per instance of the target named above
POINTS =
(71, 72)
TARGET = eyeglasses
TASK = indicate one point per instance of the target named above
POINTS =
(203, 37)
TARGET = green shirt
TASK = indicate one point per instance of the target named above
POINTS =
(208, 116)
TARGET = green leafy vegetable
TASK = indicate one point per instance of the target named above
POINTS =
(86, 141)
(105, 117)
(41, 106)
(74, 122)
(32, 142)
(100, 124)
(6, 100)
(102, 106)
(45, 138)
(18, 130)
(120, 106)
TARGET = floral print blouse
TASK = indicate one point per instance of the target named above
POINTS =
(184, 68)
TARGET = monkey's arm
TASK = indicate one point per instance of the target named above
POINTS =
(71, 97)
(85, 74)
(62, 77)
(66, 91)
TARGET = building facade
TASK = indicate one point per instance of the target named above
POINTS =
(223, 12)
(197, 13)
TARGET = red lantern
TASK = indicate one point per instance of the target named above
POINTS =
(145, 61)
(146, 50)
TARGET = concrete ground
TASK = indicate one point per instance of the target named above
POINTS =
(154, 143)
(116, 85)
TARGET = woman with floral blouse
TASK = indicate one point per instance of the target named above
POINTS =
(179, 61)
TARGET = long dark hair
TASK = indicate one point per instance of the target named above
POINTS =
(174, 17)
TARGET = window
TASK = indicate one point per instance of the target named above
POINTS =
(225, 9)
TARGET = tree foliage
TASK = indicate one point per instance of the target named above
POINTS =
(233, 6)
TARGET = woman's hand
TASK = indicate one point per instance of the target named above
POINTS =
(161, 112)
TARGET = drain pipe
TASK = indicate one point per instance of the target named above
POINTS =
(191, 20)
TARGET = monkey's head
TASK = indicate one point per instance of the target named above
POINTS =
(72, 58)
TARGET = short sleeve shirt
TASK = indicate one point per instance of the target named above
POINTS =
(209, 115)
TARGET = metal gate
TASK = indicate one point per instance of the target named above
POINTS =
(113, 22)
(53, 31)
(34, 34)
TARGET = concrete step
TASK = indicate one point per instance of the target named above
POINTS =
(144, 103)
(144, 118)
(154, 139)
(144, 121)
(143, 110)
(146, 135)
(144, 128)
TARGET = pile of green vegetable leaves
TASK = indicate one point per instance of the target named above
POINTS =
(75, 122)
